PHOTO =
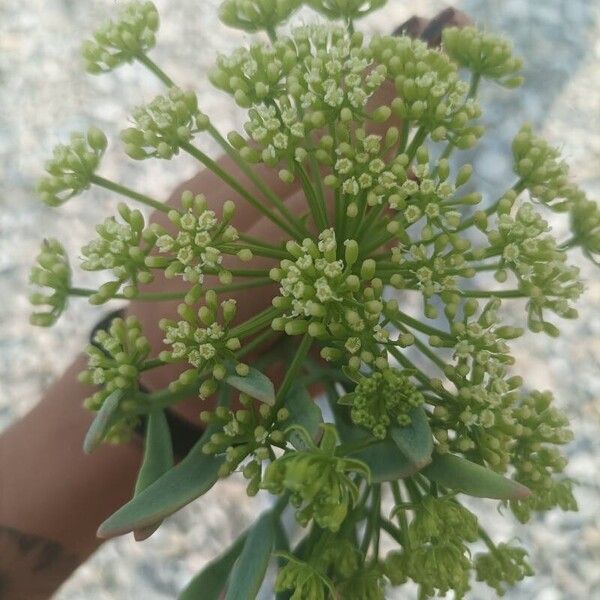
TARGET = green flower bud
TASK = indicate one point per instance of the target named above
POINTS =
(505, 565)
(483, 53)
(52, 271)
(71, 168)
(318, 481)
(257, 15)
(122, 41)
(542, 171)
(164, 125)
(383, 399)
(347, 10)
(115, 359)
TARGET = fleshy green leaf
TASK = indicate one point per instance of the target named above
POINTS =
(416, 440)
(103, 421)
(250, 568)
(304, 412)
(158, 451)
(190, 479)
(386, 462)
(158, 459)
(457, 473)
(255, 384)
(384, 459)
(210, 582)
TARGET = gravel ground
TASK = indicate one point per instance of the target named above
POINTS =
(44, 95)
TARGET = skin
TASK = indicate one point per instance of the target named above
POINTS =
(52, 495)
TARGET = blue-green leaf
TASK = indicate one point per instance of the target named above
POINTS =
(158, 451)
(210, 582)
(188, 480)
(255, 384)
(386, 462)
(158, 459)
(103, 421)
(460, 474)
(250, 568)
(304, 412)
(383, 457)
(415, 441)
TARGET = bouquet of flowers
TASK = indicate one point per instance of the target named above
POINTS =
(416, 407)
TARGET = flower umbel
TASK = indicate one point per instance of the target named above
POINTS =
(121, 248)
(71, 167)
(383, 399)
(164, 125)
(383, 287)
(53, 272)
(319, 482)
(124, 40)
(115, 359)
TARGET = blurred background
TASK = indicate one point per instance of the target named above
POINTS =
(44, 95)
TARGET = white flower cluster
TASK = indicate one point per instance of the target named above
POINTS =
(203, 341)
(484, 54)
(198, 245)
(53, 272)
(542, 171)
(121, 41)
(257, 15)
(324, 296)
(539, 265)
(122, 248)
(71, 167)
(164, 125)
(429, 91)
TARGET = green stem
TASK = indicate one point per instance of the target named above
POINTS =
(493, 294)
(404, 137)
(372, 519)
(270, 30)
(422, 377)
(129, 193)
(257, 322)
(316, 207)
(263, 251)
(423, 327)
(487, 540)
(402, 520)
(209, 163)
(152, 364)
(243, 285)
(365, 226)
(250, 239)
(416, 142)
(475, 80)
(247, 272)
(255, 178)
(293, 370)
(155, 69)
(390, 528)
(149, 297)
(256, 342)
(318, 187)
(425, 350)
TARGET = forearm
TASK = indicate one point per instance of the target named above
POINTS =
(52, 495)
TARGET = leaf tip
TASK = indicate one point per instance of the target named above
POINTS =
(522, 492)
(90, 443)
